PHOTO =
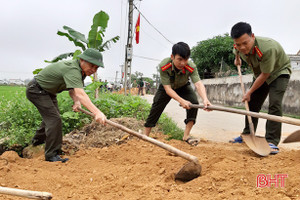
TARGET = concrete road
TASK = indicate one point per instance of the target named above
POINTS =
(220, 126)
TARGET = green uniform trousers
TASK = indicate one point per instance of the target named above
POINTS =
(161, 99)
(50, 130)
(275, 90)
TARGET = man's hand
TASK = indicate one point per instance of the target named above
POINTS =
(206, 103)
(247, 97)
(100, 118)
(185, 104)
(237, 60)
(76, 105)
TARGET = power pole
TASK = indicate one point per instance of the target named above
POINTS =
(128, 53)
(116, 78)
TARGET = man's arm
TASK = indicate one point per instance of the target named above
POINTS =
(80, 97)
(202, 93)
(257, 83)
(76, 101)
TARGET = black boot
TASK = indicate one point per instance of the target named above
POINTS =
(56, 159)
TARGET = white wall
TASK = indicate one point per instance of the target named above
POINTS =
(227, 91)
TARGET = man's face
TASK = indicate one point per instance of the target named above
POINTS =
(179, 62)
(88, 68)
(244, 43)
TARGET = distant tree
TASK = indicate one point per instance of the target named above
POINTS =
(209, 55)
(149, 80)
(135, 76)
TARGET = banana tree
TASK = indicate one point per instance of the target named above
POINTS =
(94, 40)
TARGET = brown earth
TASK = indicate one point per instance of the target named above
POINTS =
(110, 165)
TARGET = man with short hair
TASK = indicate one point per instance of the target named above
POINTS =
(175, 73)
(141, 86)
(272, 70)
(55, 78)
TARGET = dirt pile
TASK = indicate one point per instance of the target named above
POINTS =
(97, 135)
(138, 170)
(133, 91)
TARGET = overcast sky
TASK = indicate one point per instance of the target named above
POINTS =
(28, 29)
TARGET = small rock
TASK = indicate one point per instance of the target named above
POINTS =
(161, 171)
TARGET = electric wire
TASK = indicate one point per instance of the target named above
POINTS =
(153, 25)
(147, 58)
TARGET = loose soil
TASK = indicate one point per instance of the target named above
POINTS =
(107, 164)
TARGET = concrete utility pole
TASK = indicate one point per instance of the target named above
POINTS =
(116, 78)
(128, 53)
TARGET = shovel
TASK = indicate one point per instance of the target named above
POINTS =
(258, 144)
(293, 137)
(187, 173)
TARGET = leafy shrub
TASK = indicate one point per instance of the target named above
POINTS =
(19, 118)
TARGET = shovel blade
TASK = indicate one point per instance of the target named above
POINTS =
(257, 144)
(293, 137)
(188, 172)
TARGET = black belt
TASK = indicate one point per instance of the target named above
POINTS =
(34, 82)
(284, 76)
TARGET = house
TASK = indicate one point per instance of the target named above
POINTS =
(295, 60)
(16, 82)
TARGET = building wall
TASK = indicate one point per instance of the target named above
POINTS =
(227, 91)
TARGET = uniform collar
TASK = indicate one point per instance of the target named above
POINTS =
(255, 50)
(180, 71)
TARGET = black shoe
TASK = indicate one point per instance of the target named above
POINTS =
(36, 142)
(57, 158)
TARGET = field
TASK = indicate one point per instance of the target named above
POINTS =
(7, 93)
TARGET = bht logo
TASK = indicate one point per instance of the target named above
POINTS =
(263, 180)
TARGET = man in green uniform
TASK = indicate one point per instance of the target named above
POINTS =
(175, 73)
(272, 70)
(55, 78)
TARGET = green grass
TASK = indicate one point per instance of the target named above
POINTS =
(9, 92)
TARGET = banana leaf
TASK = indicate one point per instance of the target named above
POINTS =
(76, 35)
(107, 44)
(74, 40)
(100, 20)
(60, 57)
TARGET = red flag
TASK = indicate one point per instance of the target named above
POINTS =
(137, 30)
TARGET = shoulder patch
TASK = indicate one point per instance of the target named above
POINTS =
(165, 67)
(259, 53)
(189, 68)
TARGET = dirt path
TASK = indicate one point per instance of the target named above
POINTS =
(107, 166)
(220, 126)
(137, 170)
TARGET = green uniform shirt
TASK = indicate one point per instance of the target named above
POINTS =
(267, 56)
(61, 76)
(177, 79)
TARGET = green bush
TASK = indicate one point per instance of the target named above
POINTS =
(19, 118)
(170, 128)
